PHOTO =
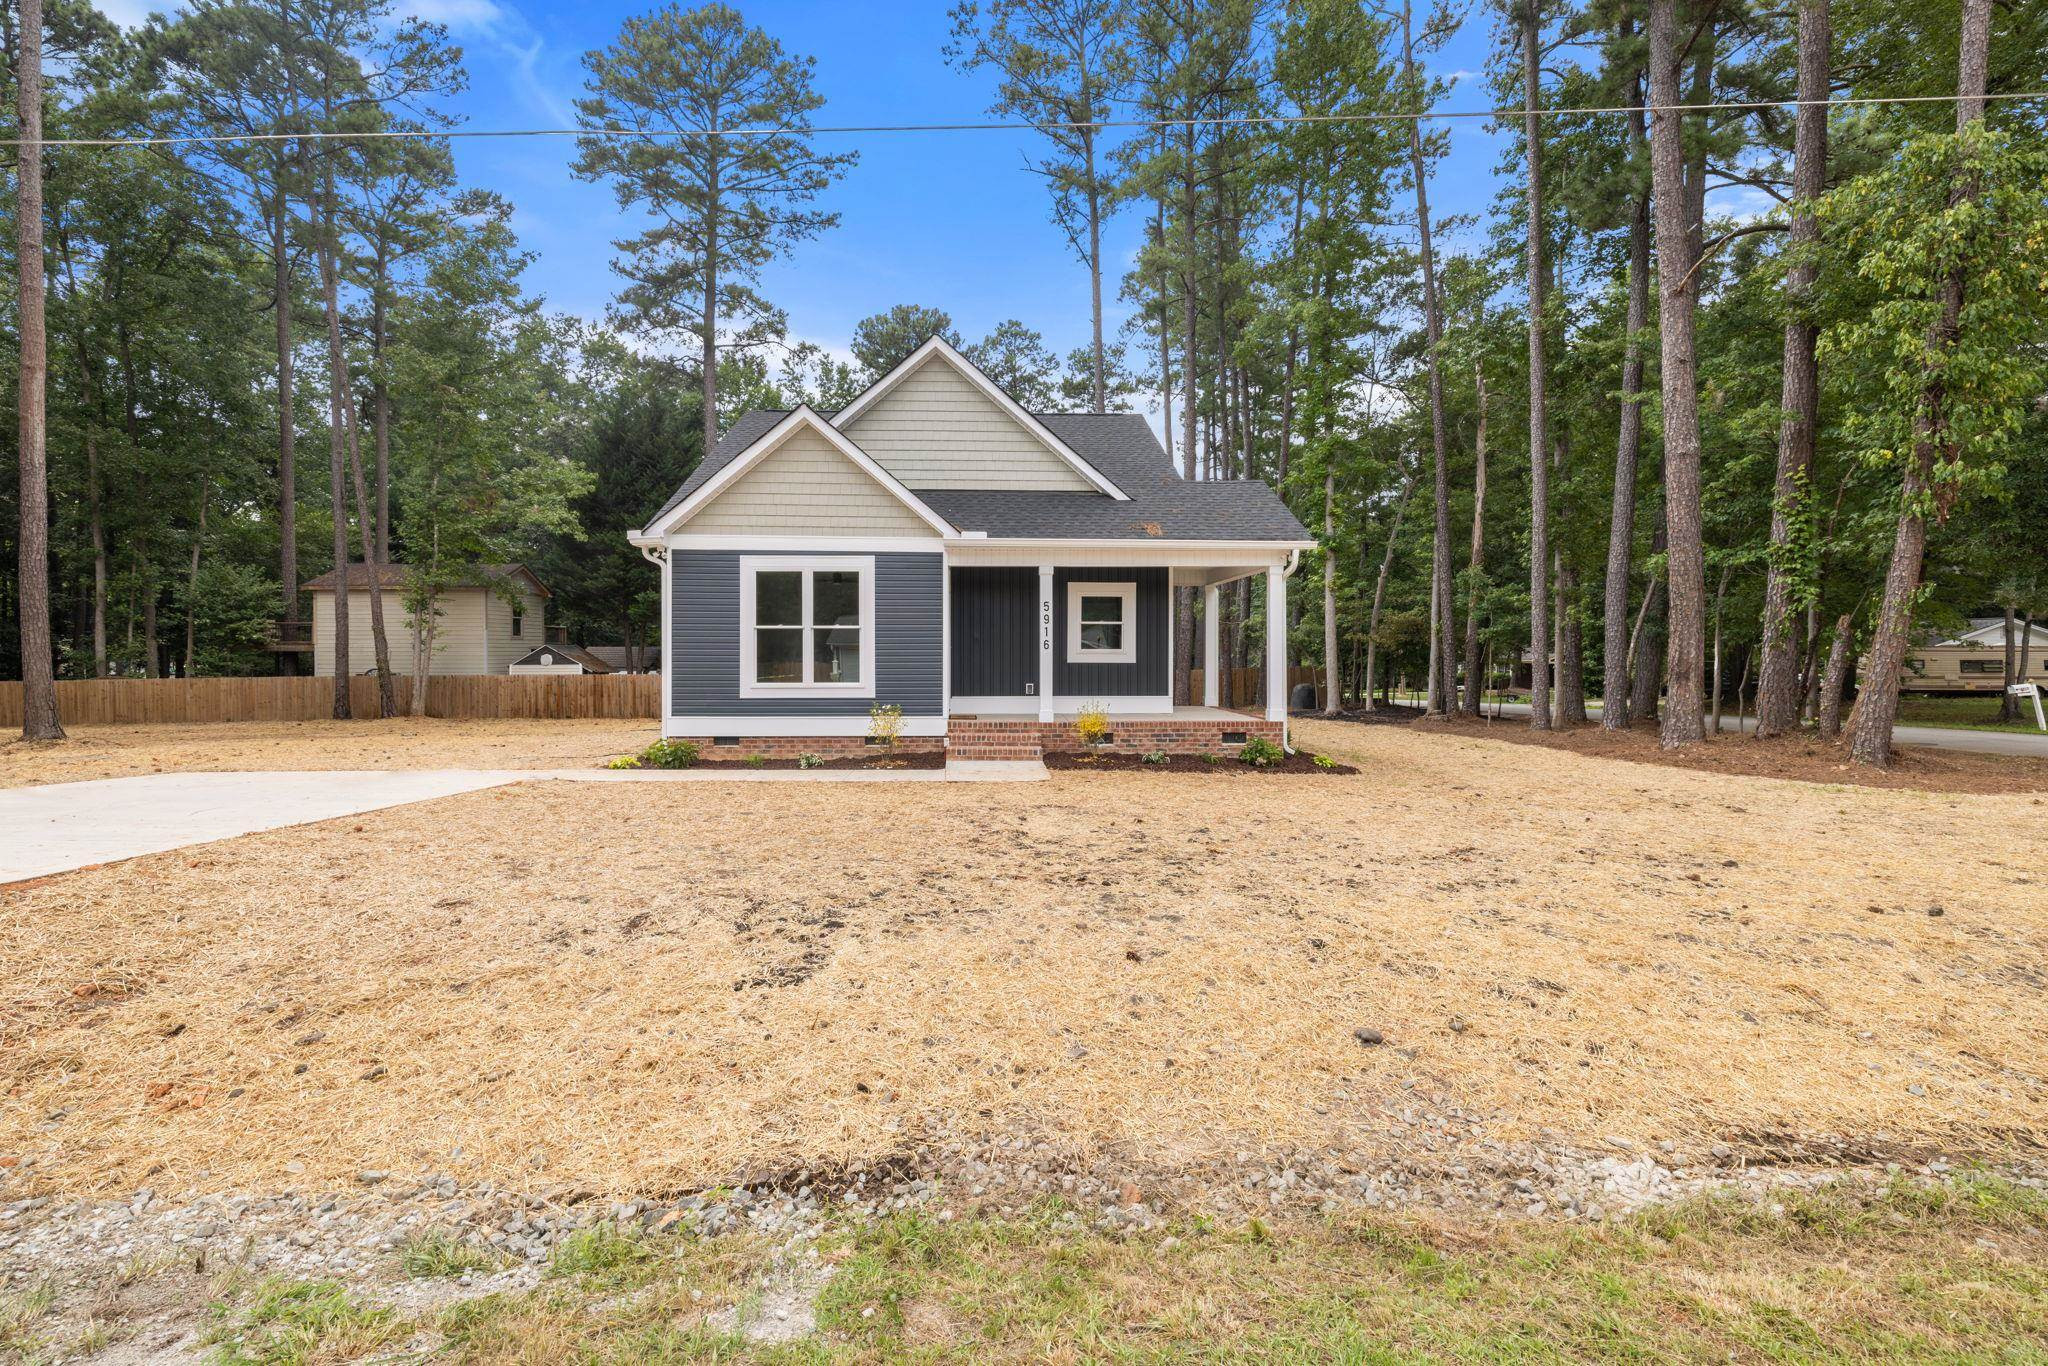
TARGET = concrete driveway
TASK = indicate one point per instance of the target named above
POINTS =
(60, 827)
(2012, 742)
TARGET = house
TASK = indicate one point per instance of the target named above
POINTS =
(484, 626)
(1975, 660)
(628, 659)
(556, 659)
(933, 546)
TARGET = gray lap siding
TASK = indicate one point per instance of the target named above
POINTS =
(704, 602)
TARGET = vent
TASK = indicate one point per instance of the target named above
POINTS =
(725, 739)
(1234, 737)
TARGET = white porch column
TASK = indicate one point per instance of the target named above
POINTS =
(1276, 643)
(1045, 642)
(1212, 635)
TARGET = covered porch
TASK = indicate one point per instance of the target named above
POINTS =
(1037, 633)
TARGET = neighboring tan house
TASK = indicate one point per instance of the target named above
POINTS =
(557, 659)
(933, 546)
(482, 629)
(1975, 660)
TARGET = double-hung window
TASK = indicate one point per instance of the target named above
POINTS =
(1102, 623)
(807, 626)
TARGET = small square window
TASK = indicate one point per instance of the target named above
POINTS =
(1102, 623)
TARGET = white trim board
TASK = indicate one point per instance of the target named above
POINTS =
(791, 726)
(806, 545)
(938, 348)
(1013, 708)
(802, 418)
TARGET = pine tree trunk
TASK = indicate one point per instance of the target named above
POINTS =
(2008, 705)
(287, 433)
(1332, 694)
(1442, 646)
(1095, 267)
(380, 404)
(707, 347)
(1539, 412)
(1379, 595)
(1830, 720)
(1877, 706)
(1571, 645)
(1777, 701)
(39, 720)
(192, 587)
(1646, 652)
(1475, 568)
(1685, 552)
(1615, 711)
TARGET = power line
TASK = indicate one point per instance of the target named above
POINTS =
(1218, 121)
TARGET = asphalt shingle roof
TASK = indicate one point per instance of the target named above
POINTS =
(1121, 446)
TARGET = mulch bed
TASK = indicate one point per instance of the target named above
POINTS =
(1803, 758)
(1301, 761)
(922, 758)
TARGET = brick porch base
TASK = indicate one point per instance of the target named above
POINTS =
(796, 746)
(1022, 739)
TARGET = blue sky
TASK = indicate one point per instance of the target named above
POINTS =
(953, 220)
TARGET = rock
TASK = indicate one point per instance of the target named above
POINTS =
(1458, 1025)
(1077, 1052)
(371, 1176)
(316, 1036)
(1936, 911)
(377, 1073)
(1916, 1089)
(1369, 1038)
(1722, 1152)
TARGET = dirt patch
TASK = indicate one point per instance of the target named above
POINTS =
(596, 986)
(125, 751)
(1805, 759)
(1301, 761)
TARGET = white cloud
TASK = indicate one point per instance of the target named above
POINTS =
(475, 15)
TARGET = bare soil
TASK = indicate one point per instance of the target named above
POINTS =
(1804, 758)
(400, 743)
(632, 989)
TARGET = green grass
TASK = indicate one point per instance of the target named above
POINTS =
(1955, 1272)
(441, 1253)
(1964, 713)
(279, 1322)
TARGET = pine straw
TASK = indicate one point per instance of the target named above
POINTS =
(124, 751)
(635, 988)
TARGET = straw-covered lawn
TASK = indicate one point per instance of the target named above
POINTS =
(634, 987)
(124, 751)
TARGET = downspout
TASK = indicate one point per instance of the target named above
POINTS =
(656, 554)
(1286, 738)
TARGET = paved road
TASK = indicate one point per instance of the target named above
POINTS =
(2033, 746)
(60, 827)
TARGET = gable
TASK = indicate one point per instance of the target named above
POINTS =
(934, 429)
(806, 487)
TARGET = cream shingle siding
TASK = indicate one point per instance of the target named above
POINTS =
(805, 486)
(474, 635)
(935, 430)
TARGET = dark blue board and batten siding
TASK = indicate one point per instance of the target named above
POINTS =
(995, 635)
(704, 599)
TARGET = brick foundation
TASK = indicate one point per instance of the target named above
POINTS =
(1018, 739)
(1009, 739)
(795, 746)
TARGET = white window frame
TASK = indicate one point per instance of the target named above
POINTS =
(753, 565)
(1076, 654)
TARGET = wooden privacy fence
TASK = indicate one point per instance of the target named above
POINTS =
(1246, 687)
(144, 701)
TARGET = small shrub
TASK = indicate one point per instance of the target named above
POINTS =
(810, 761)
(755, 761)
(1157, 756)
(1212, 758)
(885, 724)
(1325, 761)
(668, 754)
(1091, 723)
(1260, 752)
(624, 761)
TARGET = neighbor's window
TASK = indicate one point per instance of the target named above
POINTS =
(518, 620)
(1983, 666)
(806, 626)
(1102, 623)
